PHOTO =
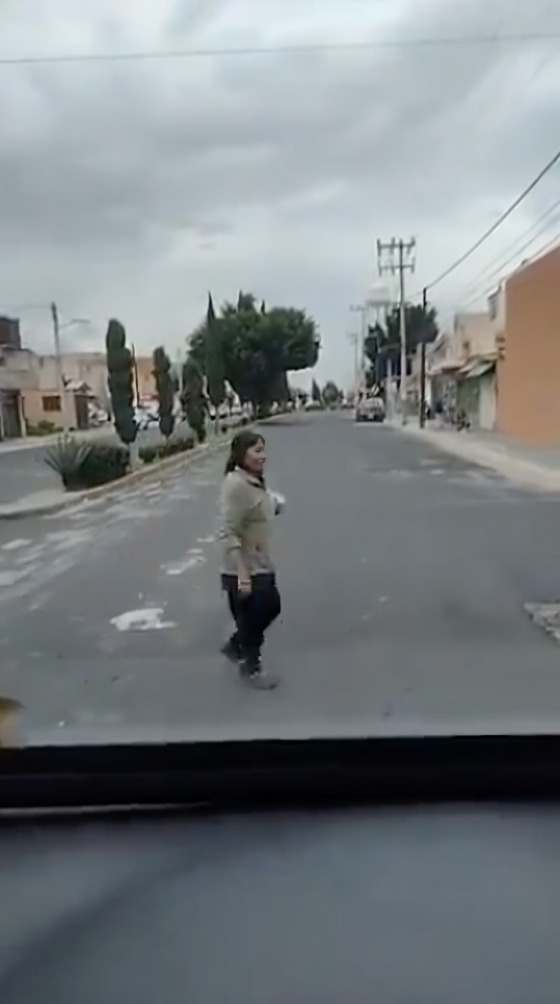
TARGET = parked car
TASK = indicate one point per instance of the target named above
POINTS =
(370, 409)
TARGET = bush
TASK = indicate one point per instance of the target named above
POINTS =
(82, 465)
(148, 454)
(42, 428)
(170, 448)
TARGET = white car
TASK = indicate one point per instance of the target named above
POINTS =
(370, 409)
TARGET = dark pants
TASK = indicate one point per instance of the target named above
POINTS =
(253, 613)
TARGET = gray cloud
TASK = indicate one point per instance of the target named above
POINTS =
(136, 186)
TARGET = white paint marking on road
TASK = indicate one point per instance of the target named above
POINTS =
(191, 561)
(148, 619)
(11, 576)
(211, 539)
(14, 545)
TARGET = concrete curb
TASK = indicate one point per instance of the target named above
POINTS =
(524, 472)
(149, 471)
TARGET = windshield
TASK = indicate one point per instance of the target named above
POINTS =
(279, 369)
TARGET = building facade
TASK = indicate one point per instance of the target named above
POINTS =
(529, 353)
(462, 370)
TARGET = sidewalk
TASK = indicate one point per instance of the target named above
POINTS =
(535, 467)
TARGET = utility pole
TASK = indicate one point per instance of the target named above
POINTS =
(423, 360)
(58, 365)
(397, 256)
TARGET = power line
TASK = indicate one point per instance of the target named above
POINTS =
(509, 38)
(488, 233)
(549, 246)
(482, 277)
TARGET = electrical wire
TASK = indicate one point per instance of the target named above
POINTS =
(498, 223)
(508, 38)
(482, 277)
(549, 246)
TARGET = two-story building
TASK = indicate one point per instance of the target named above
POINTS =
(461, 366)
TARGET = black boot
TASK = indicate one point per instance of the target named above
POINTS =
(232, 649)
(252, 673)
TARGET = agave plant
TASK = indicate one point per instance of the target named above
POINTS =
(67, 459)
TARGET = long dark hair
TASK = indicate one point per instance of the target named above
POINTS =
(241, 442)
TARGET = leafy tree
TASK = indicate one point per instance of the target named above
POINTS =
(165, 386)
(121, 382)
(383, 346)
(214, 363)
(419, 327)
(193, 399)
(316, 393)
(258, 348)
(331, 394)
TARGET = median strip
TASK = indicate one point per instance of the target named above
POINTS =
(44, 503)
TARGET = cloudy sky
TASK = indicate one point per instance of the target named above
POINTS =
(131, 187)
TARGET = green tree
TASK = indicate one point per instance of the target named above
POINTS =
(214, 362)
(419, 327)
(316, 393)
(121, 382)
(331, 394)
(382, 346)
(193, 398)
(258, 348)
(165, 387)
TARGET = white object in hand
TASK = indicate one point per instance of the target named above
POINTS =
(279, 502)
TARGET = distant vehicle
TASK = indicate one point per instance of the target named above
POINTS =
(145, 419)
(313, 406)
(370, 409)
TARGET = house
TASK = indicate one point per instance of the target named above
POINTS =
(529, 352)
(461, 367)
(16, 376)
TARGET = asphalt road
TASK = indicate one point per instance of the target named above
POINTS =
(24, 472)
(404, 575)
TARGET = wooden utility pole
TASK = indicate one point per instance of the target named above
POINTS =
(423, 360)
(397, 256)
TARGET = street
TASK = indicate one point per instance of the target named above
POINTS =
(404, 574)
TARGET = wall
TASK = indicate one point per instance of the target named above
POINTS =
(487, 403)
(529, 373)
(10, 332)
(474, 334)
(146, 380)
(16, 369)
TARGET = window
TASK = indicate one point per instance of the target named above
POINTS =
(51, 403)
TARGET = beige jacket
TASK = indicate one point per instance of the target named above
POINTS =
(247, 510)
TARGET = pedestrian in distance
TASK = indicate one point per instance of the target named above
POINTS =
(248, 573)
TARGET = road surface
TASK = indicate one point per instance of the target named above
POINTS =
(404, 575)
(24, 472)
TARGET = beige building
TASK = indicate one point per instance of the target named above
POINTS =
(16, 375)
(461, 369)
(30, 392)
